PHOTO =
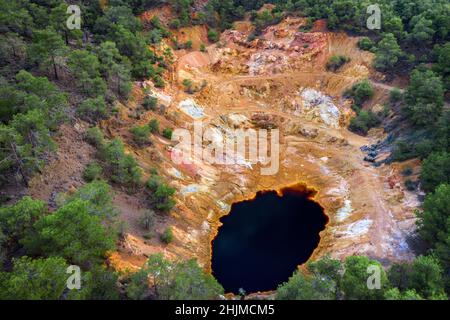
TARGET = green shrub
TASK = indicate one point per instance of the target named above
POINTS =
(92, 172)
(364, 121)
(435, 171)
(175, 23)
(167, 236)
(153, 125)
(213, 36)
(336, 62)
(395, 95)
(161, 194)
(148, 220)
(149, 235)
(150, 103)
(202, 47)
(94, 136)
(365, 44)
(93, 109)
(167, 133)
(123, 168)
(361, 92)
(140, 135)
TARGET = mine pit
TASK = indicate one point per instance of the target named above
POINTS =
(262, 240)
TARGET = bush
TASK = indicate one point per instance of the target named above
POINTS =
(153, 125)
(435, 171)
(140, 135)
(92, 172)
(361, 92)
(161, 196)
(148, 235)
(175, 24)
(148, 220)
(213, 35)
(202, 47)
(150, 103)
(93, 109)
(187, 85)
(364, 121)
(94, 136)
(167, 236)
(336, 62)
(395, 95)
(123, 168)
(365, 44)
(167, 133)
(433, 224)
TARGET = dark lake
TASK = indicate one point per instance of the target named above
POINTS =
(263, 240)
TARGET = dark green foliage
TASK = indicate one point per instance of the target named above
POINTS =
(24, 144)
(388, 53)
(140, 135)
(92, 172)
(99, 196)
(336, 62)
(150, 103)
(424, 98)
(183, 280)
(167, 236)
(302, 286)
(426, 277)
(167, 133)
(40, 279)
(72, 233)
(319, 282)
(29, 92)
(442, 65)
(115, 68)
(154, 126)
(93, 110)
(17, 220)
(434, 223)
(435, 171)
(395, 95)
(213, 35)
(94, 136)
(364, 121)
(354, 280)
(122, 168)
(161, 194)
(47, 49)
(361, 92)
(396, 294)
(365, 44)
(85, 68)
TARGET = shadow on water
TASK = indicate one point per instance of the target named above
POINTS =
(264, 239)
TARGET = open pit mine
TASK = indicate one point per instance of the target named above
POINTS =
(276, 82)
